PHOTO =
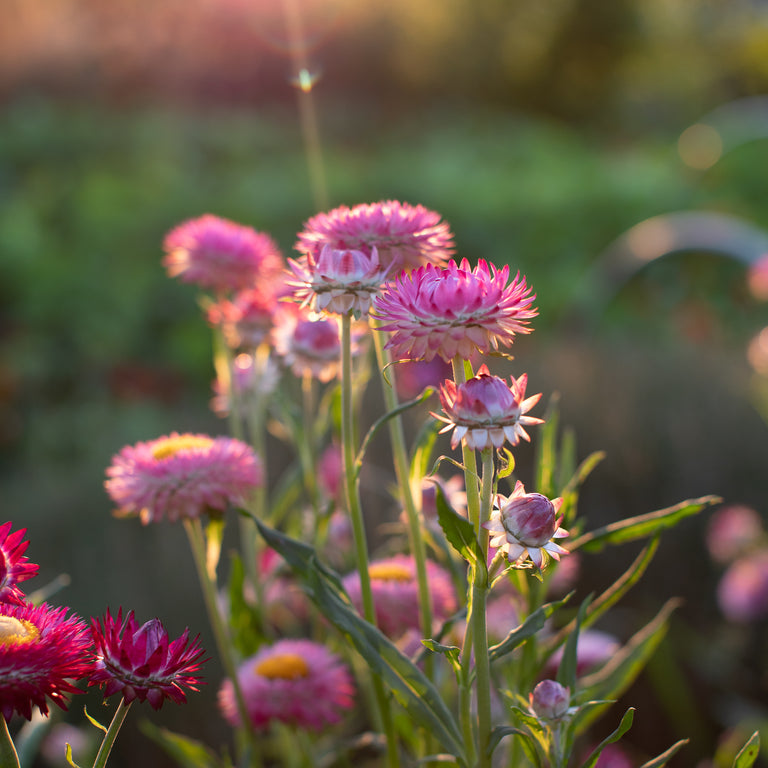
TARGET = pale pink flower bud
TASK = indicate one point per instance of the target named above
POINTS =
(526, 522)
(550, 700)
(485, 411)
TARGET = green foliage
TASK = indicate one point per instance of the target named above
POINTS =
(624, 726)
(186, 752)
(749, 752)
(459, 532)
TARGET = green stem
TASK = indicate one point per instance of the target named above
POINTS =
(407, 492)
(207, 578)
(468, 457)
(111, 734)
(358, 525)
(8, 756)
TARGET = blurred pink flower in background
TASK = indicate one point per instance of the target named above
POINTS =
(182, 476)
(742, 593)
(297, 682)
(220, 254)
(732, 530)
(526, 523)
(412, 377)
(484, 411)
(453, 311)
(405, 236)
(564, 574)
(42, 653)
(330, 471)
(338, 280)
(141, 662)
(396, 593)
(757, 278)
(593, 649)
(14, 567)
(245, 320)
(254, 378)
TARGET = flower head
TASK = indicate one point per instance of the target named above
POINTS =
(550, 700)
(485, 411)
(252, 377)
(220, 254)
(338, 280)
(246, 320)
(14, 567)
(141, 662)
(404, 235)
(593, 649)
(525, 522)
(297, 682)
(733, 530)
(182, 476)
(742, 593)
(453, 310)
(396, 593)
(42, 651)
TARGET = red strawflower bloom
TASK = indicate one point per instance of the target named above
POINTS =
(14, 567)
(453, 310)
(140, 662)
(220, 254)
(404, 235)
(182, 476)
(42, 651)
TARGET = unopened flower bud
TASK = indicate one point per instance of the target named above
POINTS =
(550, 700)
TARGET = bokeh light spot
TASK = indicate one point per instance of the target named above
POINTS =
(700, 146)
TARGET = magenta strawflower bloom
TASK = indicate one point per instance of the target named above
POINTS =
(246, 320)
(220, 254)
(338, 280)
(485, 411)
(405, 236)
(141, 662)
(14, 567)
(396, 593)
(182, 476)
(453, 310)
(526, 523)
(42, 652)
(297, 682)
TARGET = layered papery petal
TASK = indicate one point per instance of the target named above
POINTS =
(404, 235)
(338, 281)
(141, 662)
(525, 523)
(42, 653)
(220, 254)
(296, 682)
(453, 311)
(182, 476)
(14, 567)
(485, 411)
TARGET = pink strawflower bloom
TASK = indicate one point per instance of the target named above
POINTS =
(453, 311)
(297, 682)
(526, 523)
(396, 593)
(14, 567)
(550, 700)
(732, 530)
(742, 593)
(485, 412)
(339, 281)
(42, 652)
(182, 476)
(330, 471)
(141, 662)
(405, 236)
(220, 254)
(246, 320)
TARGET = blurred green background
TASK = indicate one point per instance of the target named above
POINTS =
(543, 132)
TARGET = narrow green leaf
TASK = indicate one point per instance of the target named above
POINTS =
(749, 752)
(507, 464)
(546, 458)
(566, 672)
(459, 532)
(437, 759)
(185, 751)
(451, 652)
(8, 755)
(499, 732)
(583, 471)
(243, 621)
(407, 682)
(642, 526)
(67, 756)
(93, 721)
(528, 628)
(665, 757)
(214, 535)
(423, 448)
(382, 420)
(624, 726)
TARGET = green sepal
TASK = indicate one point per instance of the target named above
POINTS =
(749, 752)
(640, 527)
(410, 686)
(624, 726)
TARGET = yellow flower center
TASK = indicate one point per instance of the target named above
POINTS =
(172, 445)
(17, 631)
(390, 572)
(286, 666)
